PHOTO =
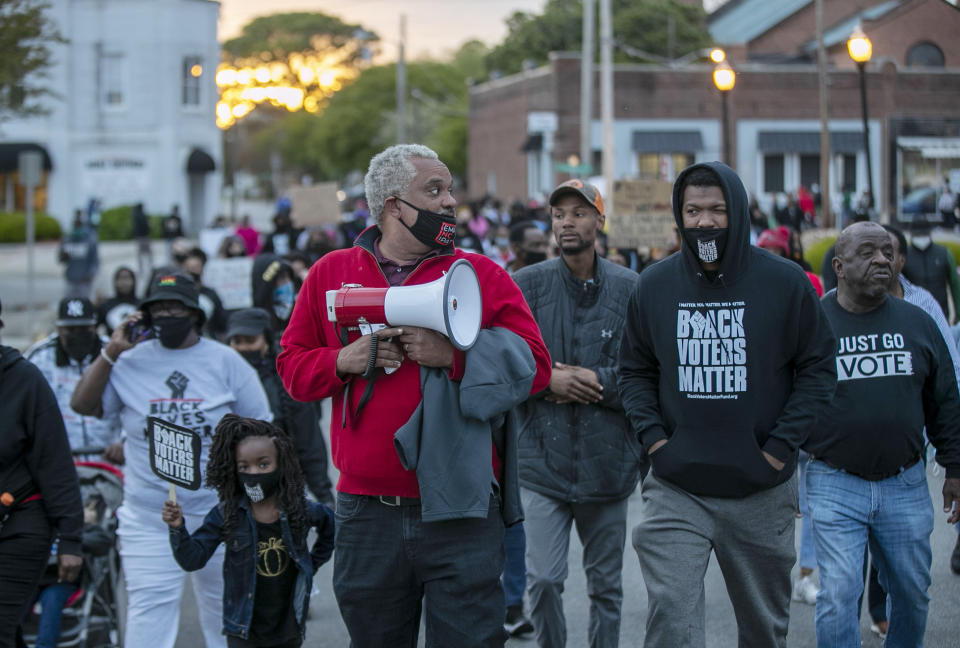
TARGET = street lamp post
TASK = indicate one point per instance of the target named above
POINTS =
(724, 78)
(860, 49)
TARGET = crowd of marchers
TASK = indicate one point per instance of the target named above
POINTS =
(737, 388)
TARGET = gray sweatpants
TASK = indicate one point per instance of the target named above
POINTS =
(602, 528)
(753, 538)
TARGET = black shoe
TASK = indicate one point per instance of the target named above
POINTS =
(516, 624)
(955, 557)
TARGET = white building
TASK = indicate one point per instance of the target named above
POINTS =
(133, 117)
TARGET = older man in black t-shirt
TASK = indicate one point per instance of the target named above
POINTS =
(866, 481)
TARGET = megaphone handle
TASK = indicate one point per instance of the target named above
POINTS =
(372, 358)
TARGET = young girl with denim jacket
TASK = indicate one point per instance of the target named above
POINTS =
(263, 519)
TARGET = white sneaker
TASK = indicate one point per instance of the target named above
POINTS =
(805, 590)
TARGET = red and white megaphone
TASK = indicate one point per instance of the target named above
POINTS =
(451, 305)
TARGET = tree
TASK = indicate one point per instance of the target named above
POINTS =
(276, 36)
(292, 60)
(25, 33)
(361, 120)
(642, 25)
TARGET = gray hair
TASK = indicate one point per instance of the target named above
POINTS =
(390, 174)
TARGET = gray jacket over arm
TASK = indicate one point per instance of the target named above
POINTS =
(448, 439)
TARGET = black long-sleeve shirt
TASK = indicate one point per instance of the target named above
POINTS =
(894, 375)
(34, 451)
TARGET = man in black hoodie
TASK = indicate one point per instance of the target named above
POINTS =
(39, 494)
(726, 360)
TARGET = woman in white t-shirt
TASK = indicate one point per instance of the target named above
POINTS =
(157, 364)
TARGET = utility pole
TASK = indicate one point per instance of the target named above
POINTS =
(402, 83)
(586, 82)
(30, 171)
(826, 217)
(606, 99)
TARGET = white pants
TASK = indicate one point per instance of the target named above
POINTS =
(155, 582)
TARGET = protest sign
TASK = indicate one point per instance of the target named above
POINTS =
(174, 453)
(231, 279)
(315, 204)
(643, 216)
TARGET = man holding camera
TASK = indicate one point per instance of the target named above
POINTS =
(390, 561)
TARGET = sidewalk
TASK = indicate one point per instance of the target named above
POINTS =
(21, 328)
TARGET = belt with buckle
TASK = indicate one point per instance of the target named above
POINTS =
(873, 477)
(396, 500)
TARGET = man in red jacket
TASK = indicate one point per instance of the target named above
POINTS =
(388, 561)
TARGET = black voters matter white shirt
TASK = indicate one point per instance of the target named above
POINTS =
(193, 388)
(894, 375)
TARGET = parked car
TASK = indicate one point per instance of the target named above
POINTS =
(920, 204)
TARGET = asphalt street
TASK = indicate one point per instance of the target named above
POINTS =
(326, 630)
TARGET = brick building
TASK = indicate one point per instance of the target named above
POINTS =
(522, 126)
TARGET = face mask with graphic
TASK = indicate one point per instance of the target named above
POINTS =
(260, 486)
(172, 331)
(432, 229)
(921, 242)
(80, 344)
(709, 242)
(283, 301)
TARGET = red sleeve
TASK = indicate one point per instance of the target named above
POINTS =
(308, 363)
(505, 306)
(817, 285)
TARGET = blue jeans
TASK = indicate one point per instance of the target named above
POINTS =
(895, 516)
(52, 599)
(808, 554)
(388, 564)
(514, 577)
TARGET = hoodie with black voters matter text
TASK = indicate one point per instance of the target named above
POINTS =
(728, 364)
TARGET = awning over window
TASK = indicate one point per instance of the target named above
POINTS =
(932, 147)
(667, 141)
(808, 141)
(200, 162)
(533, 144)
(10, 152)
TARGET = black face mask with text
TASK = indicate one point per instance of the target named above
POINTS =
(260, 486)
(172, 331)
(708, 242)
(432, 229)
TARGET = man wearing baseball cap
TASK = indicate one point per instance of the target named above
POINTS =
(579, 460)
(157, 364)
(250, 333)
(62, 357)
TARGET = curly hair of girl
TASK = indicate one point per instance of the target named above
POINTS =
(222, 471)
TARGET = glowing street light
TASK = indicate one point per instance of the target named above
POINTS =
(860, 50)
(724, 78)
(859, 46)
(717, 55)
